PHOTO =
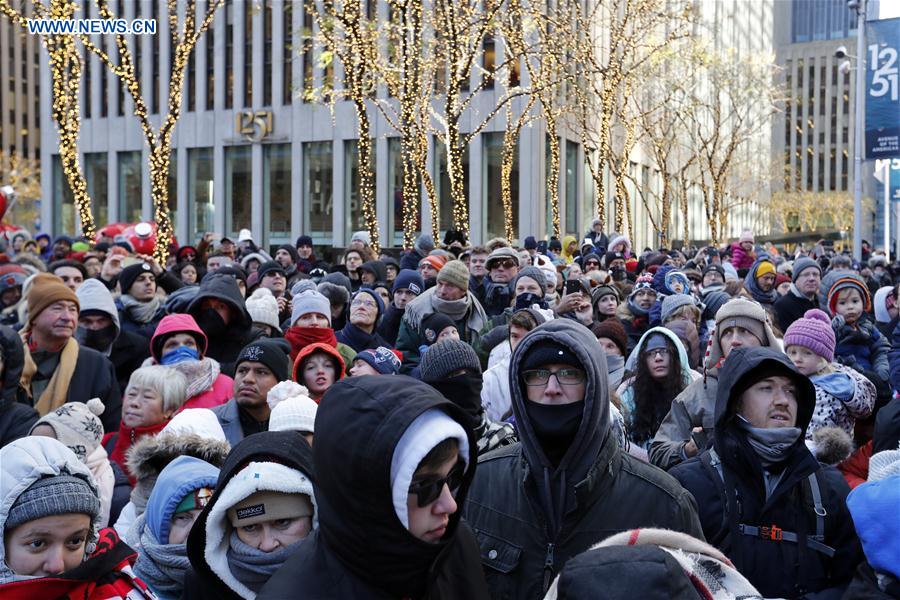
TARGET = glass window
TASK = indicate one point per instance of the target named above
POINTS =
(442, 184)
(210, 67)
(395, 193)
(492, 178)
(65, 216)
(352, 199)
(95, 173)
(229, 57)
(250, 9)
(277, 190)
(571, 187)
(317, 187)
(267, 53)
(238, 190)
(200, 190)
(130, 187)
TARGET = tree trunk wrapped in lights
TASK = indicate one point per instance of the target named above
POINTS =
(159, 142)
(65, 76)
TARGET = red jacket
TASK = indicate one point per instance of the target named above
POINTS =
(117, 443)
(856, 466)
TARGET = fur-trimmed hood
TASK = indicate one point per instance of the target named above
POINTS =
(149, 456)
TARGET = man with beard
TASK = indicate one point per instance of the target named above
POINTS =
(62, 247)
(452, 368)
(57, 369)
(760, 281)
(220, 312)
(98, 328)
(804, 293)
(260, 366)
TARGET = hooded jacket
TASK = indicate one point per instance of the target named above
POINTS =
(530, 518)
(308, 351)
(226, 342)
(222, 386)
(282, 461)
(16, 418)
(361, 549)
(129, 349)
(776, 568)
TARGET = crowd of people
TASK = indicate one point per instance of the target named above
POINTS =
(557, 419)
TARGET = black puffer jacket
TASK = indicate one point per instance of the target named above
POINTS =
(361, 549)
(530, 518)
(776, 568)
(225, 341)
(791, 307)
(16, 418)
(287, 448)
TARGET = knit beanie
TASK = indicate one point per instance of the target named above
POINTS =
(263, 308)
(765, 268)
(803, 263)
(130, 274)
(424, 244)
(644, 282)
(270, 267)
(546, 352)
(384, 360)
(844, 283)
(746, 236)
(379, 303)
(437, 262)
(45, 290)
(671, 304)
(434, 324)
(742, 312)
(56, 495)
(533, 273)
(530, 243)
(290, 250)
(77, 426)
(361, 236)
(813, 331)
(408, 279)
(304, 240)
(269, 352)
(605, 289)
(712, 267)
(292, 408)
(448, 356)
(713, 301)
(612, 329)
(310, 301)
(781, 278)
(456, 273)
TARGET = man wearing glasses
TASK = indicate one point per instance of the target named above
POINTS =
(567, 485)
(502, 266)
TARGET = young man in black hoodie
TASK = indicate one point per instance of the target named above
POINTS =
(388, 498)
(567, 485)
(406, 288)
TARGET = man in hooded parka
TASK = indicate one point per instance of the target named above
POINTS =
(362, 549)
(764, 500)
(567, 484)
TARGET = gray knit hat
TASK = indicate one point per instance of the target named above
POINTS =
(456, 274)
(533, 273)
(310, 301)
(673, 302)
(801, 264)
(60, 495)
(446, 357)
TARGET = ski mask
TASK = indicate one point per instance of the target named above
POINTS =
(211, 322)
(100, 340)
(464, 390)
(618, 273)
(555, 426)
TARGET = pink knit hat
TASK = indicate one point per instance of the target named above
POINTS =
(746, 236)
(813, 331)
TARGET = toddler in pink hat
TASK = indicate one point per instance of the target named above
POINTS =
(842, 393)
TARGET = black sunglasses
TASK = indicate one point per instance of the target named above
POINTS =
(428, 491)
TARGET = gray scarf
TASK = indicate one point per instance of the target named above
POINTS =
(253, 567)
(455, 309)
(142, 312)
(771, 445)
(160, 566)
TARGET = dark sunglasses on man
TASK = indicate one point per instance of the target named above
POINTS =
(429, 490)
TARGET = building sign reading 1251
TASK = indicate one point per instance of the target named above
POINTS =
(254, 126)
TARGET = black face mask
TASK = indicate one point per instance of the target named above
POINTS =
(97, 339)
(464, 391)
(527, 299)
(619, 273)
(555, 426)
(211, 322)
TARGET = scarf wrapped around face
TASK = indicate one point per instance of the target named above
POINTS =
(160, 566)
(252, 566)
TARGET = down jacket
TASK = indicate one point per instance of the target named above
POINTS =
(531, 518)
(832, 412)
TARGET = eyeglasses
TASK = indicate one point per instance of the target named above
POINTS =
(428, 491)
(656, 351)
(568, 376)
(364, 302)
(506, 264)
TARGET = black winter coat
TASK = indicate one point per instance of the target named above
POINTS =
(361, 550)
(390, 324)
(530, 517)
(782, 568)
(16, 418)
(127, 354)
(865, 586)
(791, 307)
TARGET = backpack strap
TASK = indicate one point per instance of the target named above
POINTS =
(713, 466)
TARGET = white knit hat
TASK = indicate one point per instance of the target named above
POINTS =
(197, 421)
(884, 464)
(263, 308)
(292, 408)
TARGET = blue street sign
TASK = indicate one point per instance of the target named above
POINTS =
(883, 89)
